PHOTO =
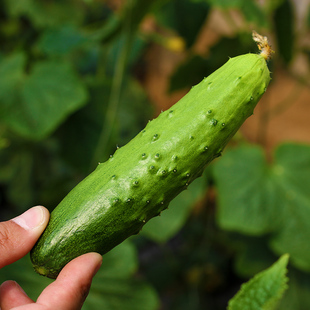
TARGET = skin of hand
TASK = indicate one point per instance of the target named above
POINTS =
(67, 292)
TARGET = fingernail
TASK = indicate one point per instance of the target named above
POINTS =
(30, 219)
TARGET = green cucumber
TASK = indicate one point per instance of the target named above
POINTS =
(142, 177)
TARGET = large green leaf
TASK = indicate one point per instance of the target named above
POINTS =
(33, 106)
(264, 291)
(114, 286)
(256, 198)
(164, 227)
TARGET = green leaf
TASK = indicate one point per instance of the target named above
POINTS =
(246, 193)
(178, 15)
(264, 291)
(252, 254)
(121, 262)
(11, 75)
(61, 40)
(125, 294)
(42, 100)
(46, 13)
(161, 229)
(195, 68)
(256, 198)
(297, 295)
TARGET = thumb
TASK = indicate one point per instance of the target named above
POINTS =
(18, 236)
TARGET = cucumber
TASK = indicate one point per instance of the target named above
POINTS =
(142, 177)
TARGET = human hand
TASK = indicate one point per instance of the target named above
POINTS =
(67, 292)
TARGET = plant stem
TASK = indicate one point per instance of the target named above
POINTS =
(116, 90)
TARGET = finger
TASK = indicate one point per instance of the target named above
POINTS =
(71, 287)
(12, 295)
(19, 235)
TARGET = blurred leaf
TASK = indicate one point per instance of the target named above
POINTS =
(120, 293)
(129, 19)
(23, 273)
(41, 100)
(250, 9)
(114, 50)
(297, 296)
(161, 229)
(80, 133)
(252, 254)
(195, 67)
(178, 15)
(190, 73)
(272, 5)
(21, 189)
(11, 76)
(113, 286)
(61, 40)
(246, 201)
(264, 291)
(284, 28)
(255, 198)
(225, 4)
(120, 262)
(46, 13)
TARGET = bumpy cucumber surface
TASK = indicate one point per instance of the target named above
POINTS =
(142, 177)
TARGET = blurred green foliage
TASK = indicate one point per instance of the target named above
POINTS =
(70, 93)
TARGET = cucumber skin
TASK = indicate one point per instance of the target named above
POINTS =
(141, 178)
